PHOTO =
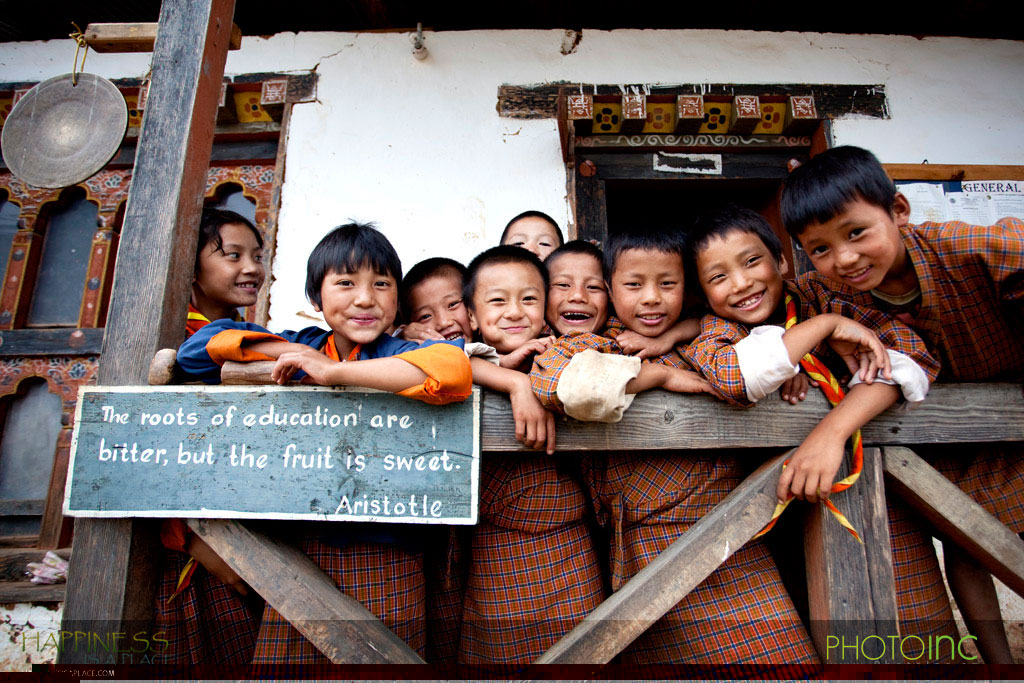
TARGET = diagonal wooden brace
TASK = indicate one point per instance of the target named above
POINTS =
(954, 513)
(338, 625)
(680, 568)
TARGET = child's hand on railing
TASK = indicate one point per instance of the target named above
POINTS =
(794, 389)
(812, 468)
(319, 368)
(860, 349)
(535, 426)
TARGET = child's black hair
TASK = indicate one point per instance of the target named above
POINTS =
(820, 189)
(721, 222)
(438, 266)
(348, 248)
(499, 255)
(668, 241)
(533, 214)
(209, 229)
(576, 247)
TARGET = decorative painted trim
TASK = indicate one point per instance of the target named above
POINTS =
(775, 141)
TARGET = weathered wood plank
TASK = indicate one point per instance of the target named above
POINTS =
(953, 413)
(953, 512)
(14, 561)
(135, 37)
(113, 575)
(591, 204)
(953, 172)
(656, 588)
(25, 591)
(850, 587)
(646, 165)
(339, 626)
(22, 507)
(52, 342)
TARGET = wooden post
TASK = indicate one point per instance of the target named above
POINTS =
(850, 586)
(114, 570)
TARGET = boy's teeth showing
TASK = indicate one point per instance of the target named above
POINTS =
(651, 318)
(452, 336)
(576, 317)
(858, 274)
(750, 301)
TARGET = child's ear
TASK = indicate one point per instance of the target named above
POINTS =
(901, 209)
(316, 307)
(472, 320)
(782, 263)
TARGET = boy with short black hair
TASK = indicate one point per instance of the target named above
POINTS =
(958, 286)
(741, 612)
(534, 573)
(534, 231)
(577, 293)
(352, 277)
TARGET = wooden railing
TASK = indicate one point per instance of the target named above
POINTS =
(660, 421)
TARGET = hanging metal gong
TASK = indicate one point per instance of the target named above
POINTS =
(59, 134)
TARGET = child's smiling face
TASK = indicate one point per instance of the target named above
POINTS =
(861, 246)
(231, 275)
(533, 234)
(740, 277)
(647, 290)
(359, 306)
(577, 295)
(508, 305)
(437, 303)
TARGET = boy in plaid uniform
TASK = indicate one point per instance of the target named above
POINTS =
(352, 277)
(533, 572)
(741, 613)
(745, 352)
(960, 287)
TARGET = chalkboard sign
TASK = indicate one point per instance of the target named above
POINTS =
(273, 452)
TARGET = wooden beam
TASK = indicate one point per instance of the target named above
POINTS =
(956, 515)
(113, 575)
(339, 626)
(14, 561)
(56, 342)
(22, 507)
(667, 579)
(953, 172)
(660, 420)
(25, 591)
(953, 413)
(850, 586)
(136, 37)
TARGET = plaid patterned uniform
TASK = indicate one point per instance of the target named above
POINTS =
(534, 571)
(972, 295)
(921, 595)
(208, 622)
(739, 614)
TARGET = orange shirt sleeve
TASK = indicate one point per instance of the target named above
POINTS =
(449, 376)
(230, 345)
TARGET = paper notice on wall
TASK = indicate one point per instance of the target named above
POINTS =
(969, 208)
(927, 202)
(1001, 198)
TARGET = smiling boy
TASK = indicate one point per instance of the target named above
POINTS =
(577, 293)
(960, 287)
(534, 572)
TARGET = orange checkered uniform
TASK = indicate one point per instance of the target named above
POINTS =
(971, 318)
(739, 614)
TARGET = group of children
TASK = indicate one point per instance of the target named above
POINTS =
(566, 328)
